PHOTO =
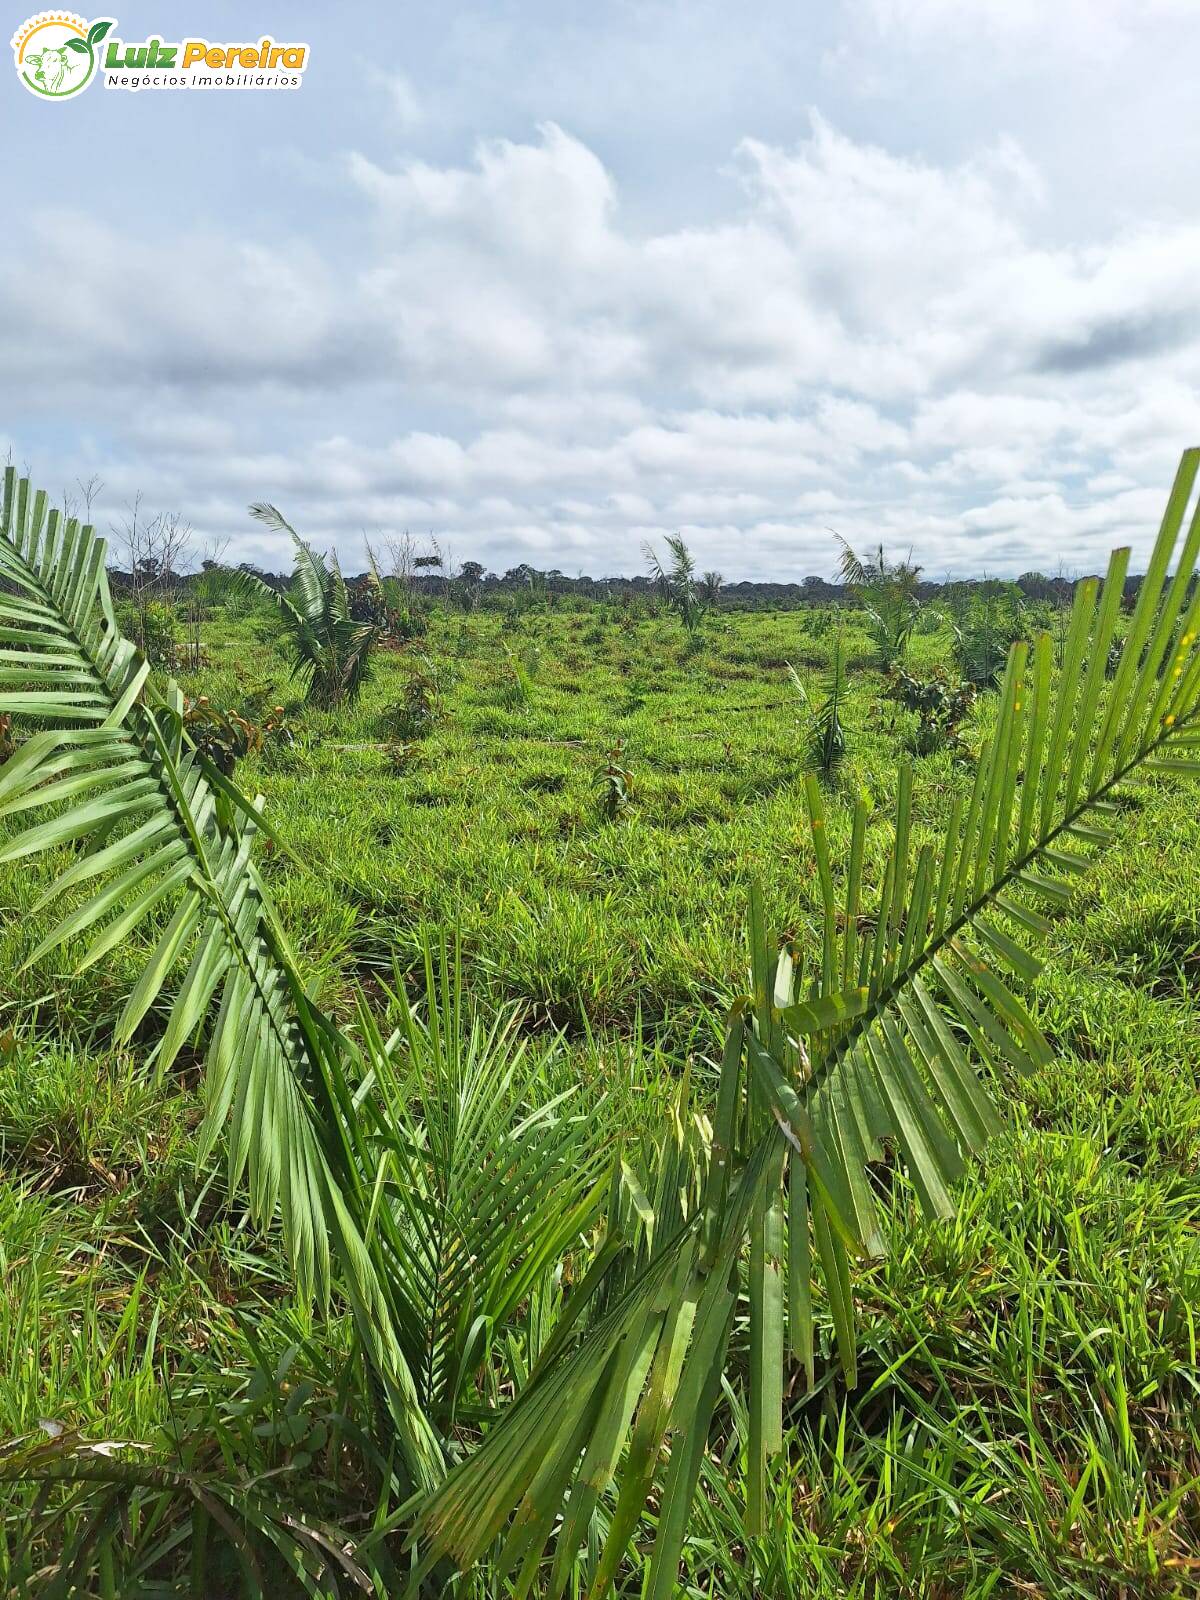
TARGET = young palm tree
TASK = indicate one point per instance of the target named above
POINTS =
(677, 581)
(710, 587)
(825, 732)
(331, 651)
(888, 590)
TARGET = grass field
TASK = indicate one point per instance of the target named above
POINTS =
(1027, 1420)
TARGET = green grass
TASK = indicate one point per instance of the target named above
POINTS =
(1028, 1414)
(493, 825)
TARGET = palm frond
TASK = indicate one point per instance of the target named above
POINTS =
(852, 570)
(893, 1047)
(797, 683)
(154, 824)
(683, 567)
(263, 511)
(373, 570)
(152, 818)
(250, 583)
(92, 1493)
(656, 569)
(489, 1177)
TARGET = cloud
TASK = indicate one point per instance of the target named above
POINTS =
(1117, 339)
(502, 355)
(401, 97)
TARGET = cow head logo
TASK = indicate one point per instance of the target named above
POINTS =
(56, 53)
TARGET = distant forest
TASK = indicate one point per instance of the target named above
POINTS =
(472, 583)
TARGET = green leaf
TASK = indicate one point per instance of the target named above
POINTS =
(150, 830)
(826, 1011)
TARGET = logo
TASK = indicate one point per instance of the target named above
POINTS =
(57, 53)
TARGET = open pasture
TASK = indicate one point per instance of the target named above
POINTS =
(578, 798)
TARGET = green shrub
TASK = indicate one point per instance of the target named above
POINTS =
(939, 703)
(422, 707)
(154, 628)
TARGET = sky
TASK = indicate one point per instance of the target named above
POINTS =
(546, 280)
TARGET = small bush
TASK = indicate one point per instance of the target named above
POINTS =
(154, 628)
(939, 703)
(422, 707)
(224, 736)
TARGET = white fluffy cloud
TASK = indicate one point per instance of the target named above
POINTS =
(864, 339)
